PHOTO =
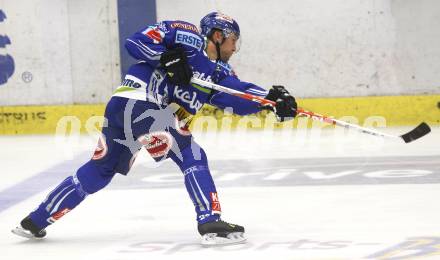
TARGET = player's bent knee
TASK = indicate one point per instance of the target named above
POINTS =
(190, 156)
(195, 152)
(92, 177)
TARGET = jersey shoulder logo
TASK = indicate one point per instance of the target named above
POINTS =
(189, 39)
(184, 25)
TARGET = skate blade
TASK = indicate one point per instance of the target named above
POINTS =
(19, 231)
(211, 239)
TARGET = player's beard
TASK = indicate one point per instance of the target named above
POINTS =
(225, 57)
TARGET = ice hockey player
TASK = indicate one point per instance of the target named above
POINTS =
(152, 109)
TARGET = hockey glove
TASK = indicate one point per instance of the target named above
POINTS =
(175, 63)
(285, 108)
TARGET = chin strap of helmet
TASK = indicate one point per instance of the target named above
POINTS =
(217, 44)
(217, 47)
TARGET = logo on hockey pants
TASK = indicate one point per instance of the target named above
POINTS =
(101, 149)
(157, 143)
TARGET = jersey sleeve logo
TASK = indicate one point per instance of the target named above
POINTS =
(189, 39)
(154, 33)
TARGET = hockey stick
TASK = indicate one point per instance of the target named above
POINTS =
(420, 131)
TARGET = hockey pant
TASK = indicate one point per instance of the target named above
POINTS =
(130, 126)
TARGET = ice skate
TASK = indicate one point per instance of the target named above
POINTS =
(29, 230)
(221, 233)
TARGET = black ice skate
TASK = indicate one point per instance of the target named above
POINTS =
(28, 229)
(221, 233)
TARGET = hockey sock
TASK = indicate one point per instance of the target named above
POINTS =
(89, 179)
(201, 189)
(60, 201)
(199, 183)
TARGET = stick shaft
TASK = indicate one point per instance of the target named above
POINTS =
(300, 111)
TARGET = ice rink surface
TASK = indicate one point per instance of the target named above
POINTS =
(305, 194)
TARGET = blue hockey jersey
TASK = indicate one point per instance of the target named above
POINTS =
(147, 81)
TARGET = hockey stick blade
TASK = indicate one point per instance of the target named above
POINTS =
(420, 131)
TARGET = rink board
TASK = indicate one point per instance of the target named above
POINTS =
(367, 111)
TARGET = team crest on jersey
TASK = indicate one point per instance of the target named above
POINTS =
(189, 39)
